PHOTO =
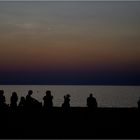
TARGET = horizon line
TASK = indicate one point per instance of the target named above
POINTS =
(71, 0)
(69, 85)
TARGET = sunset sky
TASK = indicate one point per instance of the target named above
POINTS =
(70, 43)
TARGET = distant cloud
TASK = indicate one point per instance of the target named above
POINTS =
(27, 25)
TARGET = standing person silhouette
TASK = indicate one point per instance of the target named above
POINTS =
(29, 100)
(3, 105)
(2, 97)
(48, 103)
(91, 102)
(13, 99)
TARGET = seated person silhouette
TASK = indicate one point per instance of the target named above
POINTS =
(13, 99)
(32, 103)
(91, 102)
(66, 104)
(48, 103)
(3, 105)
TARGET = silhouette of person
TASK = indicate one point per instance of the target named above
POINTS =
(138, 103)
(32, 103)
(22, 103)
(14, 99)
(91, 102)
(2, 97)
(29, 99)
(3, 105)
(66, 104)
(48, 103)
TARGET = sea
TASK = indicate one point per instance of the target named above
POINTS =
(107, 96)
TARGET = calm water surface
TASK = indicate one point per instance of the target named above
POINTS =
(107, 96)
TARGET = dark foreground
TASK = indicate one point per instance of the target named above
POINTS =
(78, 123)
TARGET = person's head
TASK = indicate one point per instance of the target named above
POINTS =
(48, 92)
(68, 96)
(14, 94)
(22, 99)
(91, 95)
(30, 92)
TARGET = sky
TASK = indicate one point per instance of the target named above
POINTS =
(86, 43)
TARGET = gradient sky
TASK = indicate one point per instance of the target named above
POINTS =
(70, 43)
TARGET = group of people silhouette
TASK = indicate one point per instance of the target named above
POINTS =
(31, 103)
